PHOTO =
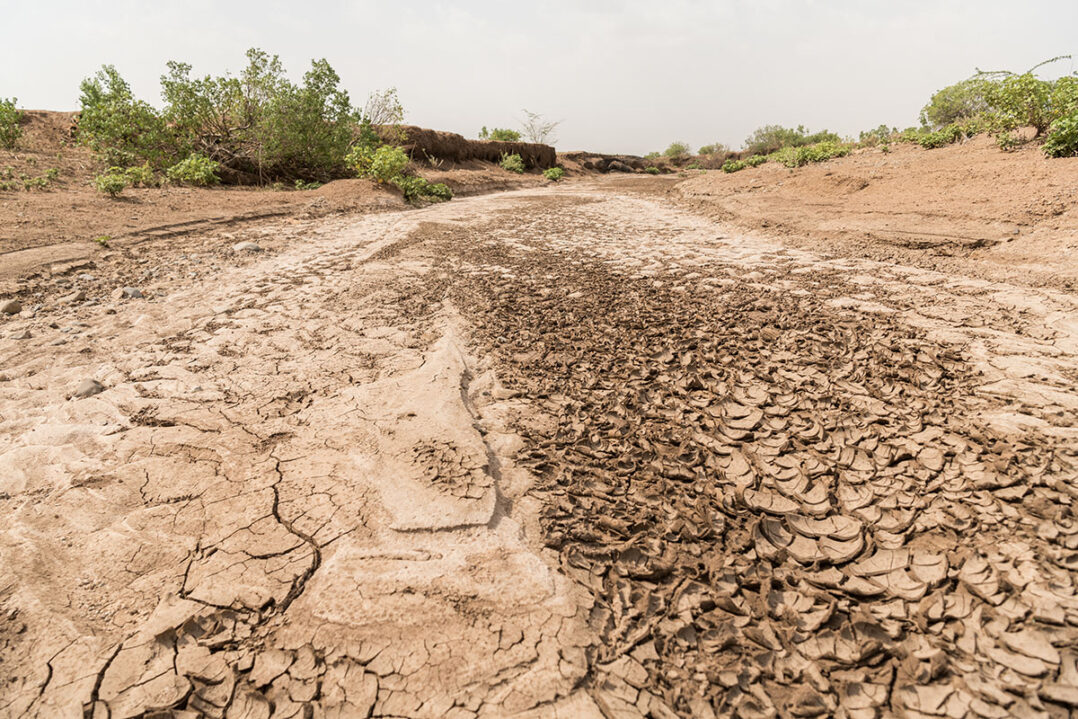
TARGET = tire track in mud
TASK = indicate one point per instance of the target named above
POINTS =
(779, 507)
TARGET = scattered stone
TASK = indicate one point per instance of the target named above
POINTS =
(88, 388)
(24, 335)
(11, 307)
(73, 297)
(127, 293)
(86, 278)
(246, 247)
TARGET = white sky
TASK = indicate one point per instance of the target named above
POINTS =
(624, 76)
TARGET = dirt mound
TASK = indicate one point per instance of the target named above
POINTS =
(422, 143)
(594, 162)
(1014, 210)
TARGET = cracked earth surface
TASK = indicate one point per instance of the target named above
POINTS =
(552, 453)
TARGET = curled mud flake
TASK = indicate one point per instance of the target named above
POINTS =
(1031, 643)
(248, 704)
(929, 568)
(836, 526)
(883, 561)
(931, 458)
(269, 665)
(984, 709)
(977, 575)
(841, 551)
(1066, 694)
(931, 700)
(1022, 664)
(769, 502)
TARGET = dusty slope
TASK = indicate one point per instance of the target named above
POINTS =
(564, 452)
(1014, 213)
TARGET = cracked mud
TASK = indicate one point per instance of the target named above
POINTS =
(553, 453)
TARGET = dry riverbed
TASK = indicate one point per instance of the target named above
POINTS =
(560, 452)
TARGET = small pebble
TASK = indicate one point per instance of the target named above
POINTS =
(88, 388)
(246, 247)
(127, 293)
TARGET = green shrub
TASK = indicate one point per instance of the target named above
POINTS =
(997, 102)
(499, 134)
(439, 191)
(799, 156)
(947, 135)
(52, 173)
(694, 166)
(141, 176)
(10, 123)
(111, 182)
(1020, 101)
(677, 149)
(876, 136)
(195, 169)
(259, 125)
(1062, 140)
(385, 164)
(652, 170)
(756, 160)
(822, 151)
(960, 101)
(512, 162)
(772, 138)
(417, 188)
(652, 156)
(1008, 140)
(714, 149)
(119, 129)
(554, 174)
(39, 183)
(1064, 97)
(301, 185)
(734, 165)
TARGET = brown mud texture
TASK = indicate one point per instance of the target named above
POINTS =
(562, 452)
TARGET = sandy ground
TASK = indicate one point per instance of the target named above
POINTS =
(965, 208)
(562, 452)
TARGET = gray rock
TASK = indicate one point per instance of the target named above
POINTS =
(73, 297)
(246, 247)
(11, 307)
(86, 278)
(88, 388)
(24, 335)
(127, 293)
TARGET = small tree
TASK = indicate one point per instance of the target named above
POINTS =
(538, 129)
(499, 134)
(10, 129)
(677, 149)
(384, 110)
(714, 149)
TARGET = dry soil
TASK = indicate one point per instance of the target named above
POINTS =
(573, 451)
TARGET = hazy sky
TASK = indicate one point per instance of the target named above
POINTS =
(627, 76)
